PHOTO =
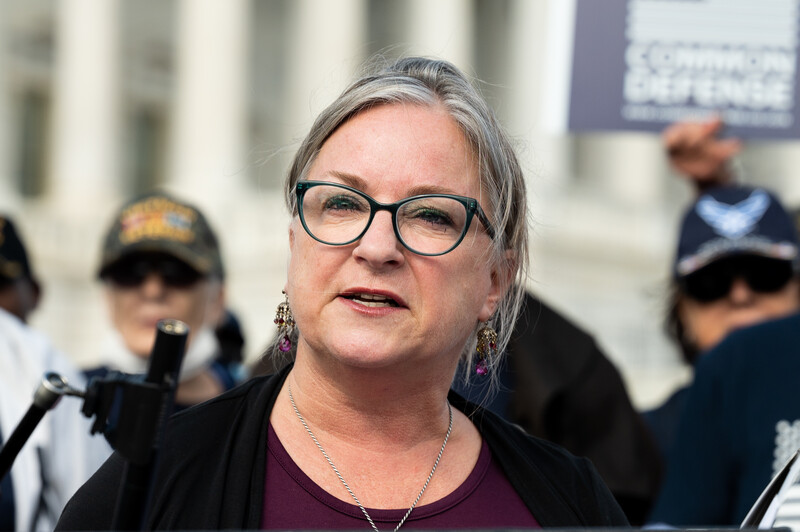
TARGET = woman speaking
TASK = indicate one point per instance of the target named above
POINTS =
(408, 252)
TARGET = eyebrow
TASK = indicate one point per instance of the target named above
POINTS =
(350, 180)
(360, 184)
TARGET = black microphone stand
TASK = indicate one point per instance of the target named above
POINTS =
(142, 422)
(144, 406)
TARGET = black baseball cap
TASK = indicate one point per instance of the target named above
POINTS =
(160, 223)
(14, 262)
(734, 220)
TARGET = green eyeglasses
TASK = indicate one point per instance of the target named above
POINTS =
(428, 224)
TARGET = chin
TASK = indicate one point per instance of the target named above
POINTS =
(141, 344)
(362, 354)
(753, 319)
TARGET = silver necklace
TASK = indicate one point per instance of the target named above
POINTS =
(335, 470)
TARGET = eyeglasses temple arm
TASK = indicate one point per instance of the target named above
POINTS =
(484, 220)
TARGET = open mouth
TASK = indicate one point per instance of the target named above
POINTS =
(372, 300)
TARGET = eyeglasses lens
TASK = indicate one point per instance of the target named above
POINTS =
(427, 225)
(173, 273)
(714, 281)
(433, 224)
(335, 215)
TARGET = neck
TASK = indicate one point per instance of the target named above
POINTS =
(351, 403)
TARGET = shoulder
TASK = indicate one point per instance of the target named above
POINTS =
(552, 349)
(26, 354)
(669, 409)
(767, 334)
(228, 374)
(549, 461)
(232, 408)
(16, 336)
(511, 439)
(210, 432)
(98, 371)
(542, 322)
(559, 488)
(770, 341)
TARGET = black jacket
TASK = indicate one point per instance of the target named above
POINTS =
(213, 466)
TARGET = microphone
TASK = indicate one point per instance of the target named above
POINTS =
(142, 420)
(167, 355)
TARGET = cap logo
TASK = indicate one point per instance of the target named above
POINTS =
(733, 221)
(157, 218)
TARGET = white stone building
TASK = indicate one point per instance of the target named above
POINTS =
(100, 99)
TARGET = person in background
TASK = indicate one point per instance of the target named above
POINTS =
(19, 288)
(734, 267)
(738, 389)
(161, 259)
(60, 454)
(697, 151)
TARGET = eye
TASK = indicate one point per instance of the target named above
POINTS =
(343, 202)
(430, 215)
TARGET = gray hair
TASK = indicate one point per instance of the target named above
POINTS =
(430, 82)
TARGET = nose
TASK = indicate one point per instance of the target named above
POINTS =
(379, 246)
(740, 293)
(152, 286)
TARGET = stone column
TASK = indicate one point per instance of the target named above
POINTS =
(85, 164)
(443, 29)
(534, 51)
(630, 168)
(8, 192)
(327, 47)
(786, 179)
(208, 142)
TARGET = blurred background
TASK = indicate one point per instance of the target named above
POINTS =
(103, 99)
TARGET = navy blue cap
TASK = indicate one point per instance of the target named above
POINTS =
(734, 220)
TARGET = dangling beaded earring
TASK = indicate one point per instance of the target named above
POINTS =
(487, 349)
(285, 322)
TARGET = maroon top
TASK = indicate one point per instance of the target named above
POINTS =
(293, 501)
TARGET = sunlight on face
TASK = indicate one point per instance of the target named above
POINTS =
(707, 324)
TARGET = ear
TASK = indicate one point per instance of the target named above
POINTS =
(502, 277)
